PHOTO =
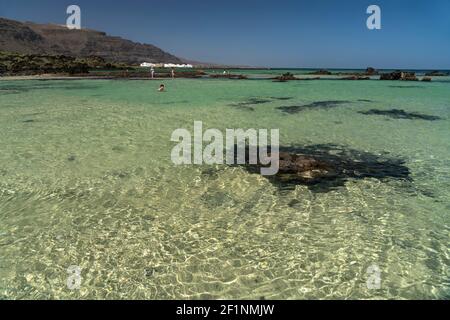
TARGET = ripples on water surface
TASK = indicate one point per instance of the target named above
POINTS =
(86, 179)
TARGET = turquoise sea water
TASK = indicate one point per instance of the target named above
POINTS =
(86, 180)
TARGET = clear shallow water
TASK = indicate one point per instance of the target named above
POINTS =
(86, 179)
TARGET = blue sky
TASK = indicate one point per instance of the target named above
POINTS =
(273, 33)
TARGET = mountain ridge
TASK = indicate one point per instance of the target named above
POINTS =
(53, 39)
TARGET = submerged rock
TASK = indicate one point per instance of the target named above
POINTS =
(399, 75)
(323, 167)
(314, 105)
(355, 77)
(401, 114)
(281, 98)
(249, 103)
(407, 87)
(371, 71)
(285, 77)
(321, 72)
(228, 76)
(365, 100)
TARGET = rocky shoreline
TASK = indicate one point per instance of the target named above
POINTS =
(369, 74)
(13, 64)
(37, 66)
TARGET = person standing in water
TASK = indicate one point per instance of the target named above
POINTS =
(152, 72)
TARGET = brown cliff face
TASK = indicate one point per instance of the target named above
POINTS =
(31, 38)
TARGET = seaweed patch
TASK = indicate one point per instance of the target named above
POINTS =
(281, 98)
(407, 87)
(401, 114)
(314, 105)
(247, 104)
(365, 100)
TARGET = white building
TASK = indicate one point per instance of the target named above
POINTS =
(148, 64)
(165, 65)
(173, 65)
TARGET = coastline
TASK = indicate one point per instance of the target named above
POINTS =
(210, 76)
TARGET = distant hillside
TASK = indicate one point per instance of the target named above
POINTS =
(49, 39)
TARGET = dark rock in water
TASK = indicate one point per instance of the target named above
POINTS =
(409, 76)
(214, 199)
(311, 78)
(152, 271)
(399, 75)
(321, 72)
(326, 166)
(315, 105)
(396, 75)
(118, 148)
(229, 76)
(407, 87)
(254, 101)
(248, 103)
(293, 203)
(400, 114)
(281, 98)
(285, 77)
(371, 71)
(355, 77)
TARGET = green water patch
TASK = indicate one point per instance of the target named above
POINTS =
(401, 114)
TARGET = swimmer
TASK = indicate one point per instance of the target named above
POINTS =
(162, 88)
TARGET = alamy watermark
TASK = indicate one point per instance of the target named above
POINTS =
(374, 20)
(74, 279)
(233, 150)
(74, 20)
(373, 277)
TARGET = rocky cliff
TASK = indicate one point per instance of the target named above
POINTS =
(49, 39)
